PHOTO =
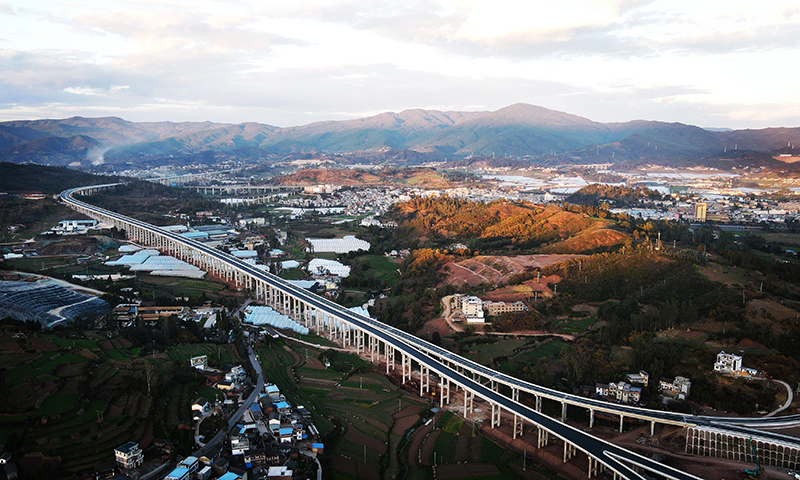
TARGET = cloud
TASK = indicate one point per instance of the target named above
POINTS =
(290, 63)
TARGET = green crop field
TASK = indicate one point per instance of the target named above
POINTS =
(546, 349)
(57, 404)
(576, 325)
(492, 452)
(381, 268)
(485, 353)
(66, 342)
(444, 449)
(73, 405)
(453, 423)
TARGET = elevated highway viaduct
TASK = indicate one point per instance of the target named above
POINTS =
(449, 370)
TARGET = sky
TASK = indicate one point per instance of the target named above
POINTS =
(712, 63)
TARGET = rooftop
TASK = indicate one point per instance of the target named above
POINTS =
(127, 447)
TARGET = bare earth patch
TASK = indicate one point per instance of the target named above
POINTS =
(403, 424)
(483, 268)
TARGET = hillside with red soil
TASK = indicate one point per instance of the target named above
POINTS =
(504, 224)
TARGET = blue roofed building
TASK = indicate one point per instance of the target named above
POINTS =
(230, 476)
(180, 473)
(285, 434)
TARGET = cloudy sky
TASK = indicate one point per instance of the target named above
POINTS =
(713, 63)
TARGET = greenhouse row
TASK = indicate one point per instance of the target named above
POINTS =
(267, 316)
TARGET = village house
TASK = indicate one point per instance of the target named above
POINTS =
(728, 363)
(201, 406)
(677, 389)
(641, 378)
(621, 391)
(129, 455)
(499, 308)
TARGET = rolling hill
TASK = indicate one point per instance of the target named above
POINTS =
(503, 225)
(519, 131)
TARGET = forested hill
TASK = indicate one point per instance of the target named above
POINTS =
(596, 193)
(503, 224)
(428, 177)
(37, 178)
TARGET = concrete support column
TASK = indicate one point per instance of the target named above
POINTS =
(444, 392)
(495, 415)
(569, 451)
(373, 345)
(563, 411)
(591, 417)
(389, 354)
(468, 398)
(543, 439)
(621, 420)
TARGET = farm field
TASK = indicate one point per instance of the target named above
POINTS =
(496, 269)
(381, 268)
(218, 355)
(789, 240)
(374, 429)
(70, 402)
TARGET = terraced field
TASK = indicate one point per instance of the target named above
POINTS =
(375, 430)
(71, 402)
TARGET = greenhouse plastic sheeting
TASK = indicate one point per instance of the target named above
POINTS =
(267, 316)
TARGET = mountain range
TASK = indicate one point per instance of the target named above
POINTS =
(522, 131)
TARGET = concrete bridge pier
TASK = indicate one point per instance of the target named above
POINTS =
(569, 451)
(518, 425)
(563, 411)
(591, 418)
(593, 464)
(331, 321)
(495, 415)
(359, 341)
(389, 357)
(444, 392)
(538, 403)
(373, 349)
(543, 438)
(467, 402)
(621, 422)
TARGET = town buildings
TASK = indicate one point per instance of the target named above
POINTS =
(677, 389)
(475, 310)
